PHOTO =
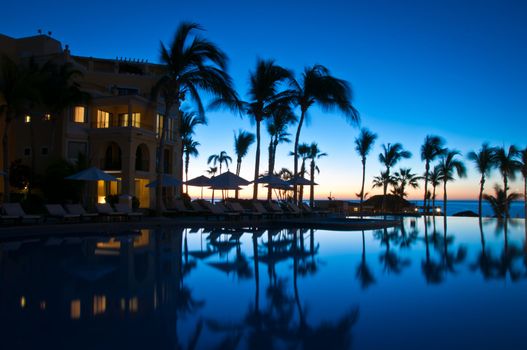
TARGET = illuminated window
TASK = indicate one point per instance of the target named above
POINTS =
(107, 188)
(159, 124)
(75, 309)
(47, 117)
(136, 119)
(22, 302)
(103, 119)
(27, 119)
(133, 304)
(43, 305)
(99, 304)
(123, 304)
(142, 192)
(79, 114)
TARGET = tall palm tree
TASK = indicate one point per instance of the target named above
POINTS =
(363, 145)
(523, 170)
(190, 148)
(16, 92)
(485, 161)
(264, 95)
(403, 178)
(383, 181)
(277, 125)
(191, 64)
(242, 141)
(508, 165)
(317, 85)
(501, 202)
(189, 121)
(434, 179)
(220, 159)
(431, 148)
(303, 153)
(447, 166)
(391, 154)
(314, 154)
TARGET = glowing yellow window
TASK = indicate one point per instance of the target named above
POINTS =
(159, 124)
(103, 119)
(105, 188)
(79, 114)
(27, 119)
(47, 117)
(75, 309)
(99, 304)
(133, 304)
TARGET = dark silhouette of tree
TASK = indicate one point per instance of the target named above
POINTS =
(389, 157)
(363, 145)
(364, 273)
(485, 161)
(508, 165)
(264, 96)
(314, 154)
(403, 178)
(191, 64)
(523, 170)
(430, 268)
(431, 148)
(220, 159)
(317, 85)
(242, 141)
(303, 153)
(435, 180)
(190, 148)
(449, 165)
(501, 201)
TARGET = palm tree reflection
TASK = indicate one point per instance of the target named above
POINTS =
(364, 273)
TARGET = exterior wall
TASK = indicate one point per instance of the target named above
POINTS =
(115, 86)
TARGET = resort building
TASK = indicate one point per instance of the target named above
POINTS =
(117, 130)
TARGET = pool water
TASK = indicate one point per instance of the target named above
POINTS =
(415, 286)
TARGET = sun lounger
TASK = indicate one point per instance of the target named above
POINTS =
(179, 206)
(294, 209)
(219, 210)
(106, 210)
(58, 212)
(78, 209)
(123, 208)
(198, 208)
(306, 208)
(15, 210)
(259, 208)
(237, 207)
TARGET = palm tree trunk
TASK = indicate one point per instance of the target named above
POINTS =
(427, 170)
(362, 186)
(444, 198)
(238, 168)
(312, 188)
(525, 198)
(161, 157)
(480, 198)
(271, 167)
(5, 160)
(301, 192)
(187, 160)
(434, 200)
(505, 187)
(297, 140)
(256, 276)
(257, 160)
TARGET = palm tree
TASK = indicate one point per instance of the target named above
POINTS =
(189, 121)
(317, 85)
(383, 181)
(242, 141)
(264, 96)
(484, 160)
(431, 148)
(314, 153)
(391, 155)
(212, 172)
(501, 202)
(507, 164)
(220, 158)
(404, 177)
(277, 125)
(363, 145)
(16, 92)
(434, 179)
(303, 153)
(523, 170)
(190, 65)
(447, 166)
(190, 148)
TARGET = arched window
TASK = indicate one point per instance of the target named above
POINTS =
(112, 157)
(142, 158)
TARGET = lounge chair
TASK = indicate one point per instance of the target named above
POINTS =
(181, 208)
(198, 208)
(306, 208)
(294, 209)
(15, 210)
(123, 208)
(78, 209)
(106, 210)
(219, 210)
(237, 208)
(259, 208)
(58, 212)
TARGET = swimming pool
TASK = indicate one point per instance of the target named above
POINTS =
(414, 286)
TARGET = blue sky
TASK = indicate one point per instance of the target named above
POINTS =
(452, 68)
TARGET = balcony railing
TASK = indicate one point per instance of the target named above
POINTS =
(119, 124)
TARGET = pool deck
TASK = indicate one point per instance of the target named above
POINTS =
(15, 232)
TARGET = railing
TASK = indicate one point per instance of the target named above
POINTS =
(117, 124)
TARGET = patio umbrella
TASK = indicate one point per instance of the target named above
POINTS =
(227, 181)
(200, 181)
(167, 181)
(92, 174)
(302, 181)
(272, 180)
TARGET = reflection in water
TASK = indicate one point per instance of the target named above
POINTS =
(181, 288)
